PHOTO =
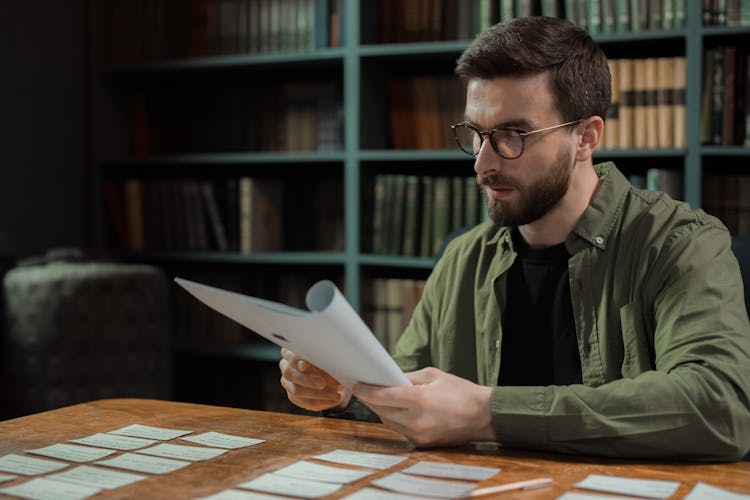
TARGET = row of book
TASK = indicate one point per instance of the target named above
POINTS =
(421, 109)
(726, 12)
(413, 215)
(137, 31)
(388, 305)
(245, 214)
(668, 180)
(290, 117)
(648, 104)
(430, 20)
(727, 197)
(725, 112)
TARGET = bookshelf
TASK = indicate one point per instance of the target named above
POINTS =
(359, 67)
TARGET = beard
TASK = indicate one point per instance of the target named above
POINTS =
(534, 200)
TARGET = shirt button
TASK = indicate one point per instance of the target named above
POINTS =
(599, 240)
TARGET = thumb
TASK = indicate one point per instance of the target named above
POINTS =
(423, 376)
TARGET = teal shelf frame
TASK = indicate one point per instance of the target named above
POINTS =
(350, 58)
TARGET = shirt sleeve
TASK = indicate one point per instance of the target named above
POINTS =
(695, 402)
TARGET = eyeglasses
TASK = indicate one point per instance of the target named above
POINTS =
(507, 142)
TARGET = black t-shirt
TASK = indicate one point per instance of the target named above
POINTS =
(539, 345)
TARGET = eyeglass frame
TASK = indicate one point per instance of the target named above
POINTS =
(521, 133)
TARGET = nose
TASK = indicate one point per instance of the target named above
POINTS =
(486, 161)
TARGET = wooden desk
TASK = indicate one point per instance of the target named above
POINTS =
(294, 437)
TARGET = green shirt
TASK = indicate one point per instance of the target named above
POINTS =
(662, 331)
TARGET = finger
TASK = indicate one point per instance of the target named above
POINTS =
(397, 397)
(302, 392)
(311, 380)
(423, 376)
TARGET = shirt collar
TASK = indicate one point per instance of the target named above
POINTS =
(596, 223)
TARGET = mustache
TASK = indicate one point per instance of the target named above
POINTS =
(495, 180)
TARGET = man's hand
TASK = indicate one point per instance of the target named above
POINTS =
(440, 409)
(309, 387)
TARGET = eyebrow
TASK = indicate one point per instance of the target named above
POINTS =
(519, 123)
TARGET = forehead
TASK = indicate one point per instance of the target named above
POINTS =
(510, 100)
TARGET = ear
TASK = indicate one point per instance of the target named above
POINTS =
(590, 133)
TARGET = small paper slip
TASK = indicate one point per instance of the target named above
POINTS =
(363, 459)
(114, 442)
(451, 471)
(705, 491)
(47, 489)
(144, 463)
(594, 496)
(375, 494)
(72, 452)
(148, 432)
(28, 466)
(293, 487)
(6, 477)
(182, 452)
(97, 477)
(649, 488)
(324, 473)
(404, 483)
(242, 495)
(221, 440)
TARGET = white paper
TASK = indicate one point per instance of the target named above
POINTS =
(324, 473)
(705, 491)
(97, 477)
(47, 489)
(148, 432)
(649, 488)
(144, 463)
(361, 458)
(72, 452)
(375, 494)
(28, 466)
(7, 477)
(221, 440)
(451, 471)
(293, 487)
(592, 496)
(242, 495)
(113, 441)
(404, 483)
(331, 335)
(182, 452)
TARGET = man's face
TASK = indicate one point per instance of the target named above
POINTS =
(522, 190)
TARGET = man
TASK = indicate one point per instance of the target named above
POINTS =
(588, 316)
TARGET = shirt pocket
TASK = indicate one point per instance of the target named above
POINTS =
(638, 355)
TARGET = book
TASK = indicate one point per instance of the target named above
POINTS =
(611, 132)
(640, 104)
(678, 101)
(329, 334)
(260, 207)
(627, 101)
(651, 99)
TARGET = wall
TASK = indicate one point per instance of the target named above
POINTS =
(42, 130)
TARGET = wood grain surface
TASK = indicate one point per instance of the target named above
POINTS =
(295, 437)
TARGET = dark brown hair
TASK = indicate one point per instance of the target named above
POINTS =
(528, 46)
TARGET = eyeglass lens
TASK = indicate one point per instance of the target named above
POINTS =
(507, 143)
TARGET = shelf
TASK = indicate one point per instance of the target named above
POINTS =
(314, 59)
(232, 159)
(725, 30)
(638, 153)
(409, 50)
(396, 155)
(259, 351)
(286, 258)
(397, 261)
(725, 150)
(639, 36)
